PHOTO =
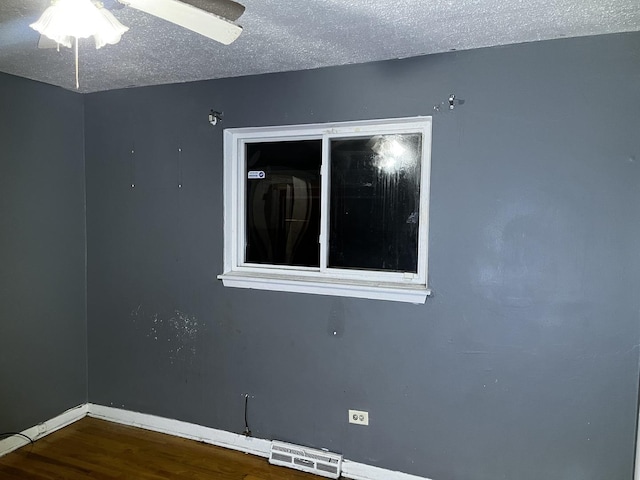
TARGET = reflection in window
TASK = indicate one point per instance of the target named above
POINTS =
(374, 203)
(283, 202)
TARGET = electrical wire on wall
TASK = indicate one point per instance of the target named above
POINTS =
(17, 434)
(247, 432)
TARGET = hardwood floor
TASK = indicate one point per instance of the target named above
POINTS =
(95, 449)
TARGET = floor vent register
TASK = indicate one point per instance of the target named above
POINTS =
(319, 462)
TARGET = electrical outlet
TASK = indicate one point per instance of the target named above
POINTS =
(359, 417)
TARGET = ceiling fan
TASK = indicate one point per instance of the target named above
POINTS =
(65, 21)
(211, 18)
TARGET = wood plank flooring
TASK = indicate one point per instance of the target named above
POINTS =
(95, 449)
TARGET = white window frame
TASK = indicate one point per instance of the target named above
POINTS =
(402, 287)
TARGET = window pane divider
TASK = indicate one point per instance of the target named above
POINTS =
(324, 204)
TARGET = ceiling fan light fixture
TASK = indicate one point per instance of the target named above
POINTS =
(65, 20)
(109, 29)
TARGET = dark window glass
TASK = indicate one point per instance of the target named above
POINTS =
(283, 202)
(374, 202)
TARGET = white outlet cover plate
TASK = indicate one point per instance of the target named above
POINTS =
(359, 417)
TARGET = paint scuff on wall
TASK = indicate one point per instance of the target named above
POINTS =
(177, 331)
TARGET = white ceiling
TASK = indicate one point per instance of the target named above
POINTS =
(285, 35)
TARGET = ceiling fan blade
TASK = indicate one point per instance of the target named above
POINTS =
(189, 17)
(112, 5)
(223, 8)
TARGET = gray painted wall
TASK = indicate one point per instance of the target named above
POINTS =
(43, 338)
(523, 365)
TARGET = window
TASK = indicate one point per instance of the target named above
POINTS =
(335, 209)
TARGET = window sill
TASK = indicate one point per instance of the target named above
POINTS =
(336, 287)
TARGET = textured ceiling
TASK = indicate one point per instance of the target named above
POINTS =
(284, 35)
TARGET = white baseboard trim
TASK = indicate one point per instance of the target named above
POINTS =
(234, 441)
(362, 471)
(220, 438)
(43, 429)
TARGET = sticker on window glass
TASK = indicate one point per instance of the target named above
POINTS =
(256, 174)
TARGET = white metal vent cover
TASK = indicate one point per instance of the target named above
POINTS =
(319, 462)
